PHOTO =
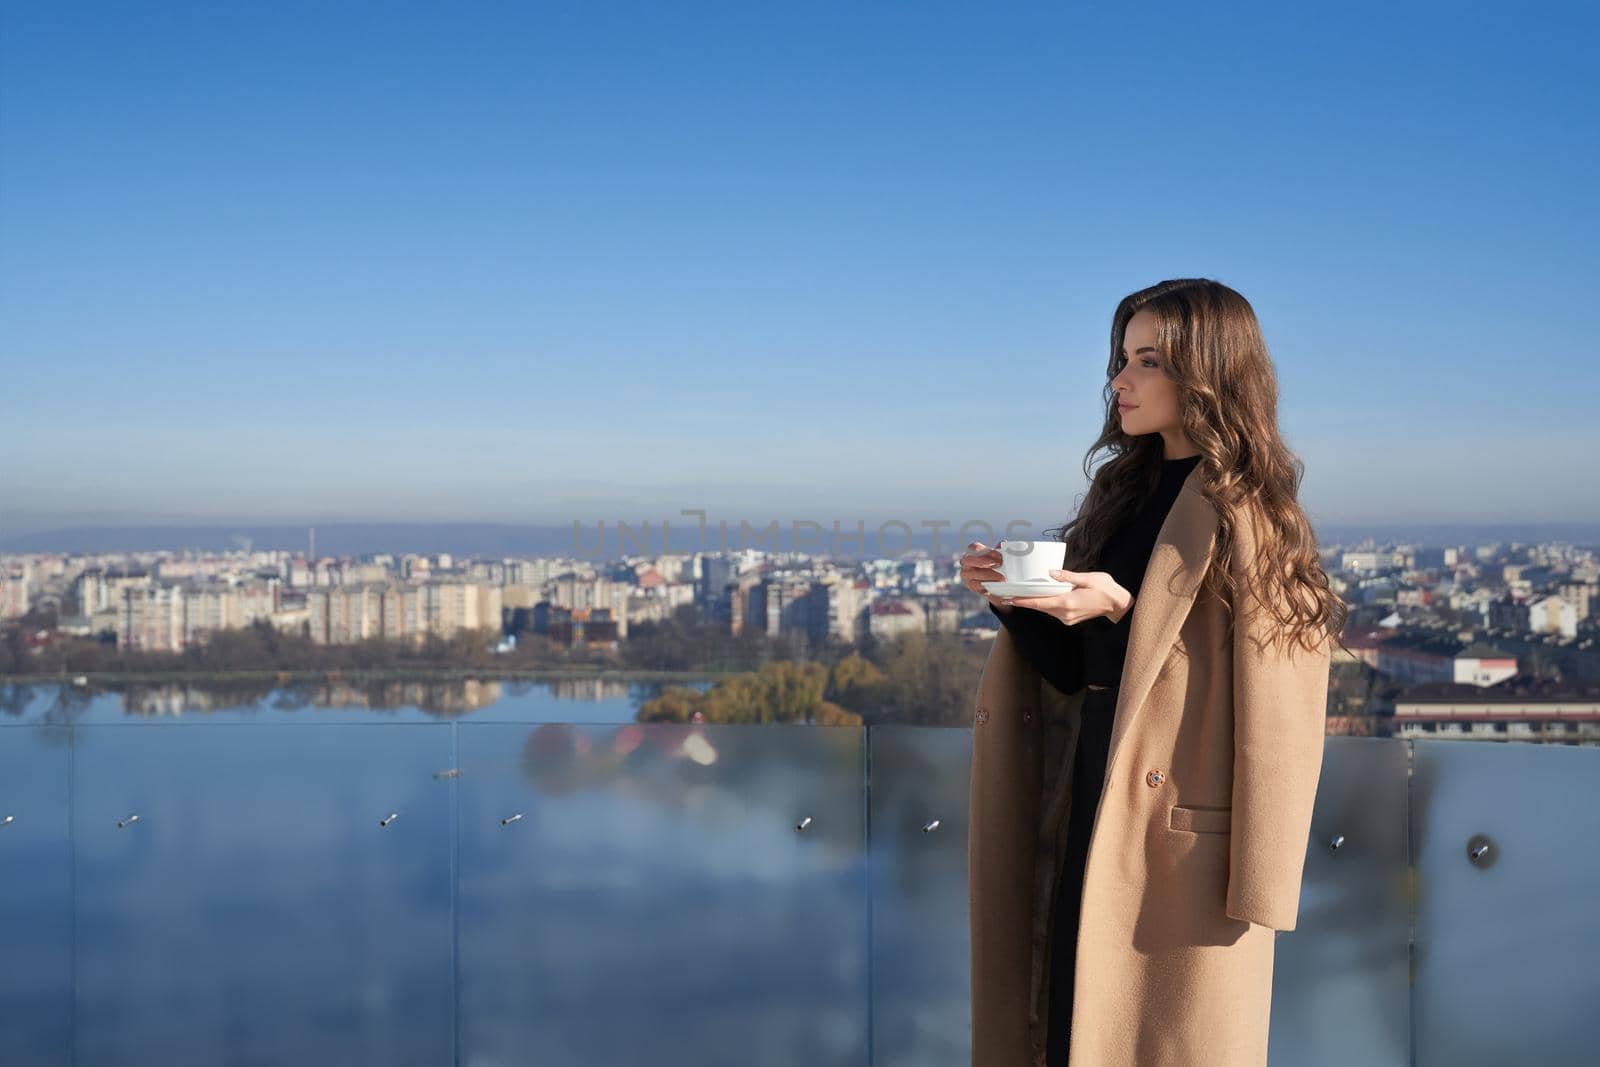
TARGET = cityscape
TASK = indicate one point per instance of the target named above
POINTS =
(1494, 641)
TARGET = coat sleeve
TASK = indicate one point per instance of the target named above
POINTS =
(1280, 701)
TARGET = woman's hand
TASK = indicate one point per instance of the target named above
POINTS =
(979, 565)
(1096, 594)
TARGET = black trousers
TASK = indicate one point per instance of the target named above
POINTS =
(1088, 779)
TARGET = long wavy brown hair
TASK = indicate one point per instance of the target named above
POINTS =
(1228, 393)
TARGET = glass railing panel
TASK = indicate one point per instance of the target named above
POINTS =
(240, 901)
(1341, 977)
(921, 1005)
(641, 894)
(35, 896)
(1508, 876)
(252, 906)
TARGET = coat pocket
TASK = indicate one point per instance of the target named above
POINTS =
(1201, 820)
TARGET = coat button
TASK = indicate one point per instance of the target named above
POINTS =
(1155, 778)
(1027, 714)
(983, 716)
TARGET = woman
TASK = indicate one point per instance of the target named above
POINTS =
(1147, 745)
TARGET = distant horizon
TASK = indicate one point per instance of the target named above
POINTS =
(494, 540)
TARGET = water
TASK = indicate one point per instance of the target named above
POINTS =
(590, 701)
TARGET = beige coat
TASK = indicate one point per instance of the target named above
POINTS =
(1198, 845)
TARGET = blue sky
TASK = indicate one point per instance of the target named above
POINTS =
(539, 262)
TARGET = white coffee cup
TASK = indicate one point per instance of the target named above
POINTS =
(1031, 561)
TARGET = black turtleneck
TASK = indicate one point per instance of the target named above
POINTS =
(1092, 652)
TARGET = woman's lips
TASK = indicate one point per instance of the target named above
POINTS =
(1126, 407)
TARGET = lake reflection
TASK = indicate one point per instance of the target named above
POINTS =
(568, 700)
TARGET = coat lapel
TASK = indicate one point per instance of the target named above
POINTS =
(1171, 581)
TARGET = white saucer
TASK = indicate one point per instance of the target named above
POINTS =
(1050, 588)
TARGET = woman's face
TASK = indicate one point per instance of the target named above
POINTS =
(1141, 383)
